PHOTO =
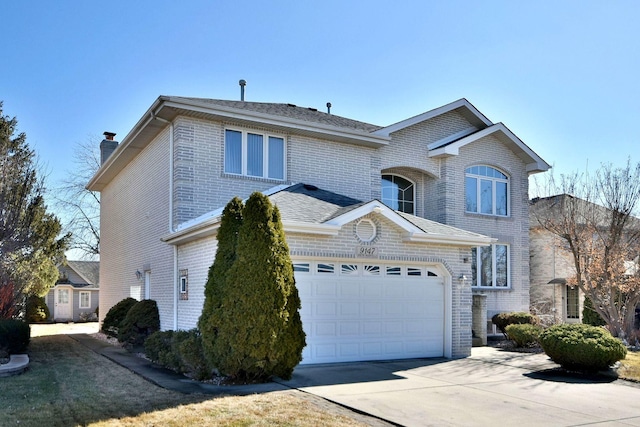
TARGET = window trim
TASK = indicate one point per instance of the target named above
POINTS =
(478, 263)
(413, 185)
(244, 153)
(80, 299)
(494, 180)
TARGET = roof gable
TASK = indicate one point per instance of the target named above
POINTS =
(464, 107)
(534, 162)
(310, 210)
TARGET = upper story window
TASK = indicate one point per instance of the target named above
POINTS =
(254, 154)
(398, 193)
(490, 266)
(487, 191)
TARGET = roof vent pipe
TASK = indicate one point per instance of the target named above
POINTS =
(328, 108)
(242, 84)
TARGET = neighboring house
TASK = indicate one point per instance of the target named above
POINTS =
(76, 295)
(552, 263)
(404, 238)
(552, 300)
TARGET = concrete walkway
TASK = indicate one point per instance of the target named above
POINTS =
(492, 387)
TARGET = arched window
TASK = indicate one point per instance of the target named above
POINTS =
(487, 191)
(398, 193)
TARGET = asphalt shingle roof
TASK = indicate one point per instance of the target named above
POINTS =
(307, 203)
(291, 111)
(89, 270)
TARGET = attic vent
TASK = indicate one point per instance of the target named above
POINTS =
(291, 105)
(313, 109)
(366, 230)
(310, 187)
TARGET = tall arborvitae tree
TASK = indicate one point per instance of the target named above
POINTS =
(260, 334)
(30, 246)
(214, 290)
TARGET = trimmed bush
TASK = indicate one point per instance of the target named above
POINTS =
(37, 310)
(524, 335)
(589, 314)
(141, 321)
(14, 336)
(502, 320)
(116, 315)
(180, 351)
(581, 347)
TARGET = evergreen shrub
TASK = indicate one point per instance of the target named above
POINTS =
(581, 347)
(589, 314)
(502, 320)
(180, 351)
(14, 335)
(524, 335)
(37, 310)
(141, 321)
(257, 326)
(116, 315)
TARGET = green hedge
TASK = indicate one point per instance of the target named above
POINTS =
(524, 335)
(581, 347)
(14, 336)
(502, 320)
(142, 320)
(180, 351)
(115, 316)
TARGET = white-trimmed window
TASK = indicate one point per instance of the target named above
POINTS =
(85, 299)
(183, 284)
(254, 154)
(490, 266)
(486, 191)
(398, 193)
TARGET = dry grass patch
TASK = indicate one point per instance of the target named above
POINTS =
(273, 409)
(630, 367)
(69, 385)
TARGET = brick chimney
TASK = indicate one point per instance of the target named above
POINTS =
(107, 146)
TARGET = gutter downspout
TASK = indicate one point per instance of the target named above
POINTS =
(171, 228)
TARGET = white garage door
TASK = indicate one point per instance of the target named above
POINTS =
(368, 311)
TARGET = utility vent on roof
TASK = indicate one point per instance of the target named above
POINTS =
(291, 105)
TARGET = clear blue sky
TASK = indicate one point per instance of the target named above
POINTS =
(562, 75)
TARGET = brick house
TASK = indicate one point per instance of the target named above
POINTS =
(404, 238)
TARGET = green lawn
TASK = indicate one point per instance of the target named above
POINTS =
(68, 385)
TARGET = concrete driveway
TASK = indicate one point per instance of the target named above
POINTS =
(491, 388)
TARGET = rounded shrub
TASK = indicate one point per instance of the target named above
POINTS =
(581, 347)
(116, 315)
(142, 320)
(37, 310)
(502, 320)
(14, 336)
(524, 335)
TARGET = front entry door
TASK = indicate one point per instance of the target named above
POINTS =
(63, 304)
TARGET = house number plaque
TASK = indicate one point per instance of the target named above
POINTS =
(367, 251)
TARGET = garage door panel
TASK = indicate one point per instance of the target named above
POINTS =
(324, 309)
(350, 309)
(372, 328)
(351, 317)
